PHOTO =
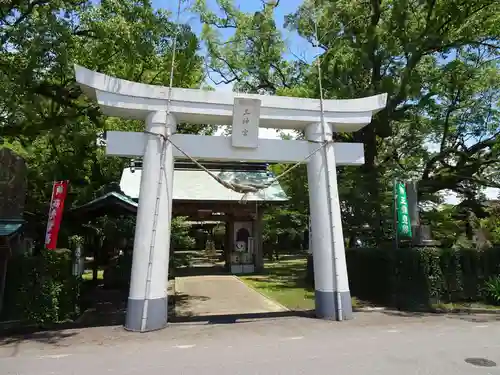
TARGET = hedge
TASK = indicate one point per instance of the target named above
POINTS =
(411, 278)
(41, 289)
(118, 274)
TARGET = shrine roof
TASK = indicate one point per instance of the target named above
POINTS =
(112, 202)
(10, 226)
(197, 185)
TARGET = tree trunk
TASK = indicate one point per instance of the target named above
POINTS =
(372, 176)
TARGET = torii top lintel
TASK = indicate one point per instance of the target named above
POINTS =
(122, 98)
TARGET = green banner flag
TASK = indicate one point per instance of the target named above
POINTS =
(402, 216)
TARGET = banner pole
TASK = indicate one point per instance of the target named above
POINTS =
(395, 215)
(395, 245)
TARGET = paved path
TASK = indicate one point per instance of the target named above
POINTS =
(219, 295)
(373, 343)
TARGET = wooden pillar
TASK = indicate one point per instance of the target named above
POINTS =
(3, 273)
(97, 250)
(258, 241)
(229, 243)
(226, 245)
(412, 195)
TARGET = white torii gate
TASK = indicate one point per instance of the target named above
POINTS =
(147, 301)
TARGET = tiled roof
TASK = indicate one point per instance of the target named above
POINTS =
(197, 185)
(113, 194)
(10, 226)
(104, 201)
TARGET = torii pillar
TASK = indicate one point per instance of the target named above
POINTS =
(332, 295)
(147, 303)
(147, 307)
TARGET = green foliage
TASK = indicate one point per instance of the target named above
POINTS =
(492, 224)
(41, 289)
(118, 272)
(492, 289)
(446, 227)
(252, 57)
(181, 239)
(412, 278)
(438, 61)
(284, 228)
(110, 230)
(44, 115)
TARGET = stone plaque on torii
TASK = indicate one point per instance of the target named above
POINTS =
(147, 301)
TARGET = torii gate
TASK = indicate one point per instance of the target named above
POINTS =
(147, 301)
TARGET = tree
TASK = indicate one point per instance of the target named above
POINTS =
(463, 119)
(402, 48)
(422, 53)
(46, 117)
(252, 58)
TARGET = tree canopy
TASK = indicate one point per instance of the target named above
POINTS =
(438, 60)
(45, 116)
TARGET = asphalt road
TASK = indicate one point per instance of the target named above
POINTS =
(375, 343)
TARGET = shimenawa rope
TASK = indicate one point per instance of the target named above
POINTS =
(244, 189)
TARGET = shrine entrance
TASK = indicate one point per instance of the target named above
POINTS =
(163, 108)
(207, 205)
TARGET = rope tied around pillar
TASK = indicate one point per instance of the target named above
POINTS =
(245, 189)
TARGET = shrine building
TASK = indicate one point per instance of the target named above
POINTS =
(199, 198)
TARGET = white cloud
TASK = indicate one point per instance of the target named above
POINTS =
(451, 197)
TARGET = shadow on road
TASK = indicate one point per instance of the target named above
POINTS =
(201, 270)
(239, 318)
(47, 337)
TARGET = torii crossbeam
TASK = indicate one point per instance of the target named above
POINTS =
(147, 302)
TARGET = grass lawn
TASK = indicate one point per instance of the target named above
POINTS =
(87, 274)
(284, 283)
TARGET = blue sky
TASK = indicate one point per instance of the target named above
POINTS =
(295, 44)
(285, 7)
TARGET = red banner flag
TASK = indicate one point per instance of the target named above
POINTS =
(59, 192)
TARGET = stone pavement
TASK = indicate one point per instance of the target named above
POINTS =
(373, 343)
(198, 296)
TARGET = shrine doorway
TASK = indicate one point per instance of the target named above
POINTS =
(198, 199)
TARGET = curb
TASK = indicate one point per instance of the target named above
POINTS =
(466, 311)
(432, 311)
(262, 294)
(369, 309)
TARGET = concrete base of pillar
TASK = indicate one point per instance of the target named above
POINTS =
(156, 315)
(327, 306)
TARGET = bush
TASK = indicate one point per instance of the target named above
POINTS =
(492, 290)
(180, 238)
(41, 289)
(410, 278)
(117, 274)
